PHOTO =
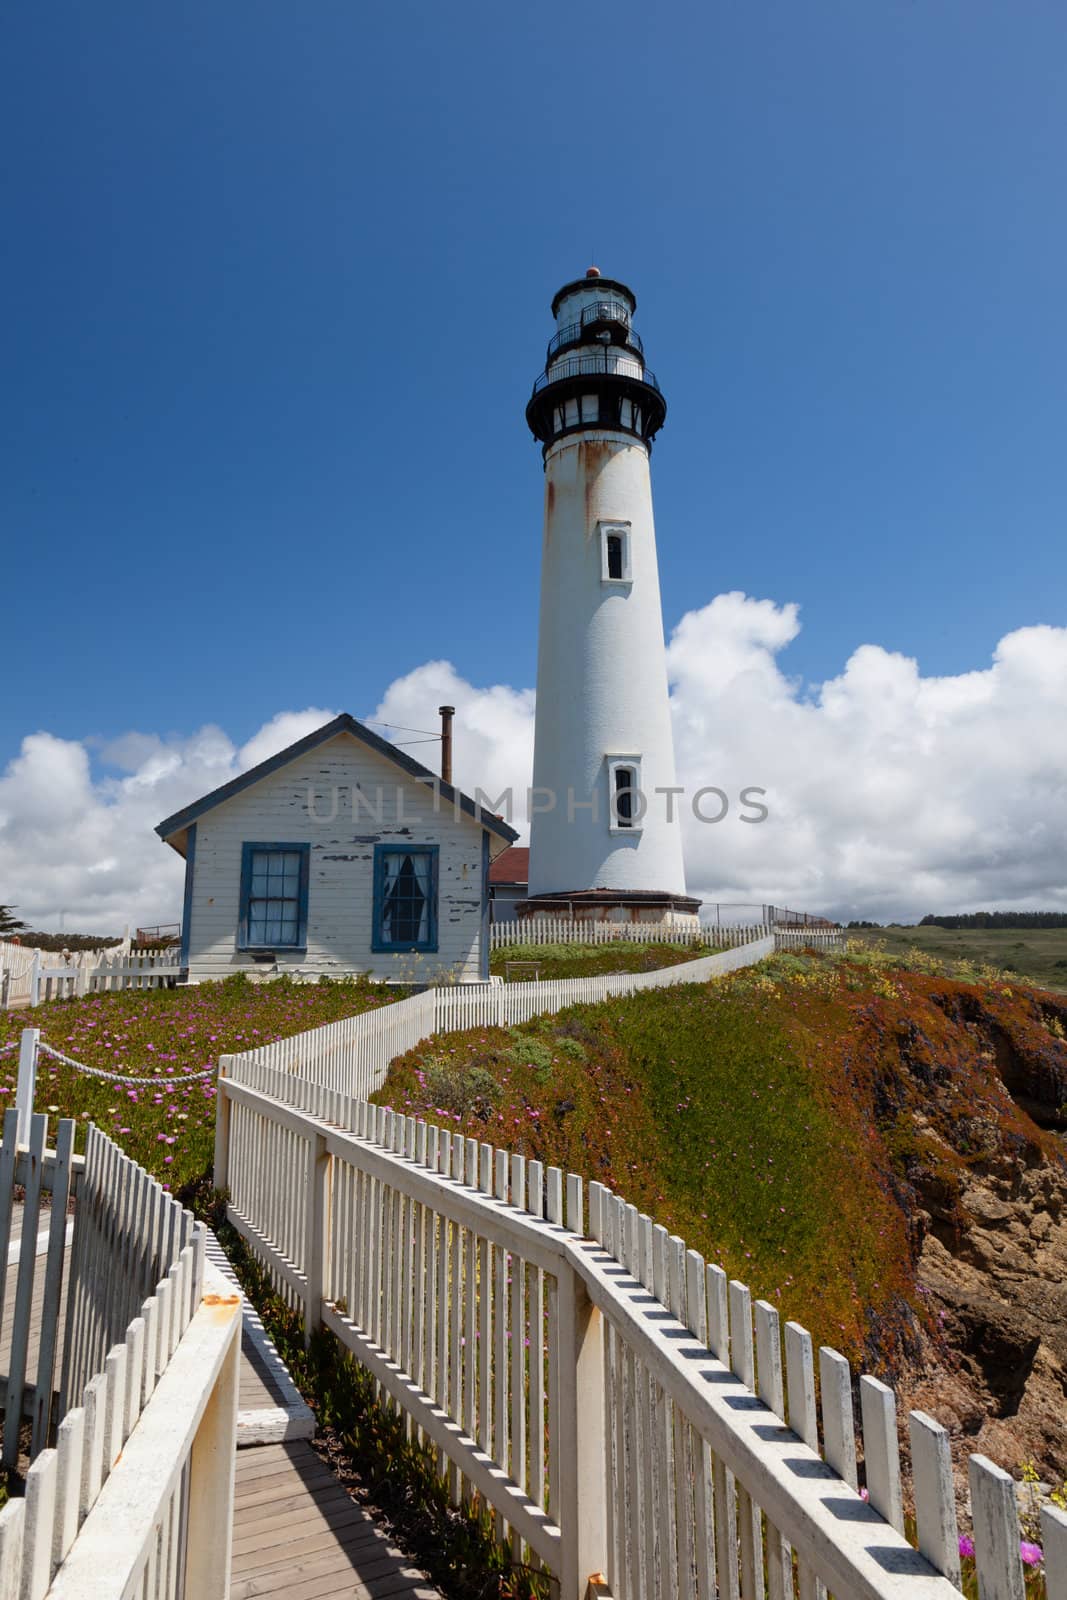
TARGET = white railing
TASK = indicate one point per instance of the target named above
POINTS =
(565, 930)
(135, 1497)
(134, 972)
(29, 976)
(621, 1406)
(809, 939)
(353, 1055)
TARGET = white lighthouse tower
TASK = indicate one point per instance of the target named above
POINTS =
(605, 839)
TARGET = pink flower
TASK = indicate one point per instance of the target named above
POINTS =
(966, 1545)
(1031, 1555)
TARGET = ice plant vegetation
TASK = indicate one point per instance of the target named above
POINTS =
(162, 1034)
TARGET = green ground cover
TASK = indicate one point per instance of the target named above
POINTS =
(590, 960)
(752, 1115)
(162, 1033)
(1039, 954)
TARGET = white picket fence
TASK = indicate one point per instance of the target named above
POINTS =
(809, 938)
(29, 976)
(621, 1406)
(603, 1388)
(135, 1498)
(565, 930)
(353, 1055)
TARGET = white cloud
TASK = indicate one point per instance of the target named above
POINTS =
(79, 849)
(492, 734)
(890, 793)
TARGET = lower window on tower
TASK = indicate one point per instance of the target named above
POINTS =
(627, 804)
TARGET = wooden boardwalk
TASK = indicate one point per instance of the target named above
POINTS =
(298, 1534)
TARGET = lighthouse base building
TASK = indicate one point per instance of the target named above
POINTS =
(605, 834)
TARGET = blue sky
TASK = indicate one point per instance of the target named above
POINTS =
(276, 285)
(276, 282)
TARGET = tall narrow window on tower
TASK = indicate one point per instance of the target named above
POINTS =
(626, 803)
(615, 552)
(614, 555)
(624, 797)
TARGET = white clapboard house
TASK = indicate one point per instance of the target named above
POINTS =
(338, 855)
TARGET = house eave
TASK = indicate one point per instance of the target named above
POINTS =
(172, 826)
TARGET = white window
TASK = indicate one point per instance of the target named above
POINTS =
(615, 552)
(590, 408)
(626, 803)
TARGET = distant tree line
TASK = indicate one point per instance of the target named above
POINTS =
(998, 919)
(68, 941)
(15, 928)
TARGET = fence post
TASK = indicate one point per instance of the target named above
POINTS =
(995, 1516)
(211, 1478)
(26, 1082)
(35, 978)
(583, 1514)
(319, 1173)
(221, 1165)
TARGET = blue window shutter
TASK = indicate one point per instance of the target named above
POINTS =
(246, 886)
(302, 912)
(379, 888)
(432, 921)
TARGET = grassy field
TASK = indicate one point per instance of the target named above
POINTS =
(590, 960)
(750, 1115)
(163, 1034)
(1039, 954)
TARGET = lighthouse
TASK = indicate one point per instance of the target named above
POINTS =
(605, 836)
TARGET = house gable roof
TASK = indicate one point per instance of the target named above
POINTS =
(342, 724)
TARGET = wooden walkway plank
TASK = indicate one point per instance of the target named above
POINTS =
(298, 1534)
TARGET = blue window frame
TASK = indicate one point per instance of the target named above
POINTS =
(405, 897)
(274, 897)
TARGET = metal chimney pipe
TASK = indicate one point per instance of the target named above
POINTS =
(447, 713)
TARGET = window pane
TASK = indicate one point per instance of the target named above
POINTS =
(274, 897)
(406, 887)
(614, 556)
(624, 799)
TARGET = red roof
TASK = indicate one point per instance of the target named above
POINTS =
(511, 866)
